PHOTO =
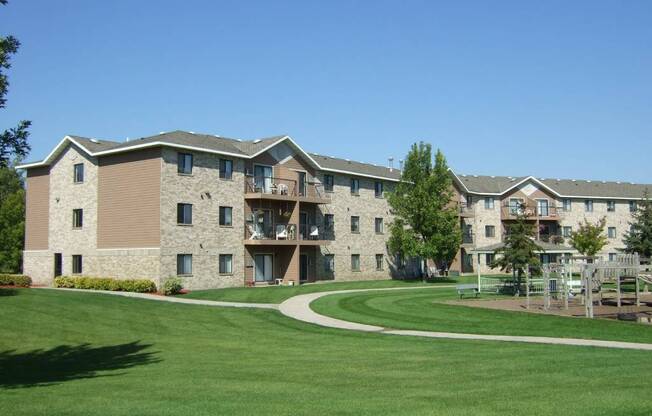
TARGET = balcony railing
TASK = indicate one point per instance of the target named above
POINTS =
(286, 187)
(464, 209)
(258, 231)
(315, 232)
(467, 238)
(531, 211)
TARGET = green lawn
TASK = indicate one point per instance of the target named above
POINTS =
(70, 353)
(277, 294)
(423, 310)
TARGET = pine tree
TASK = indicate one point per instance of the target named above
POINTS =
(639, 237)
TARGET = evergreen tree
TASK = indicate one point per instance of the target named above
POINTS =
(589, 239)
(639, 237)
(426, 223)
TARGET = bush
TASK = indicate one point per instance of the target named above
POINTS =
(15, 280)
(172, 286)
(105, 283)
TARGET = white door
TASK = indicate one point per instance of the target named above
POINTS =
(263, 267)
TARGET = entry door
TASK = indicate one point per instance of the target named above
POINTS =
(302, 183)
(263, 178)
(303, 267)
(264, 267)
(58, 264)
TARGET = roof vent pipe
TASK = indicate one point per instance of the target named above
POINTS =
(391, 164)
(400, 163)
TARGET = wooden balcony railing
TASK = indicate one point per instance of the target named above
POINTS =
(531, 211)
(266, 185)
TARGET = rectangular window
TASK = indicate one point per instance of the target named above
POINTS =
(226, 214)
(355, 187)
(77, 218)
(329, 181)
(612, 256)
(379, 262)
(515, 206)
(542, 208)
(633, 206)
(611, 232)
(489, 258)
(329, 263)
(588, 205)
(567, 231)
(355, 224)
(184, 163)
(226, 263)
(489, 231)
(378, 225)
(611, 206)
(226, 169)
(184, 214)
(378, 189)
(489, 202)
(566, 205)
(355, 262)
(329, 221)
(184, 264)
(78, 173)
(77, 264)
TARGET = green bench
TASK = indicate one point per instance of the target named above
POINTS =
(467, 289)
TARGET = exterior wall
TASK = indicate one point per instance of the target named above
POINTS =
(37, 209)
(205, 239)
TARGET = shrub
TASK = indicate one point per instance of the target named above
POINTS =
(172, 286)
(15, 280)
(105, 283)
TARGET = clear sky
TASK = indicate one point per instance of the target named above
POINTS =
(548, 88)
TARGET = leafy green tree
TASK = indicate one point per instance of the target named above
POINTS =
(589, 238)
(639, 237)
(12, 220)
(13, 141)
(426, 223)
(519, 250)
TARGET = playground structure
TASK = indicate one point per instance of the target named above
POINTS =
(589, 280)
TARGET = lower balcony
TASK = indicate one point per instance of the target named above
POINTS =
(286, 234)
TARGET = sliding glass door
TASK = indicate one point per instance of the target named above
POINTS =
(264, 266)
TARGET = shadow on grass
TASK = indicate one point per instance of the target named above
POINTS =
(8, 291)
(69, 362)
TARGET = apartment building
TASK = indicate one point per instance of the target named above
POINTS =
(217, 212)
(556, 207)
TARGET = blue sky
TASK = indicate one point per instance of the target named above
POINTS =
(567, 83)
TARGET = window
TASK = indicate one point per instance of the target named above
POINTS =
(379, 262)
(355, 262)
(611, 206)
(184, 264)
(184, 163)
(329, 263)
(633, 206)
(184, 214)
(588, 205)
(490, 231)
(378, 223)
(611, 232)
(469, 200)
(542, 208)
(612, 256)
(378, 189)
(355, 224)
(78, 174)
(226, 263)
(489, 258)
(226, 169)
(226, 214)
(355, 187)
(489, 202)
(329, 221)
(77, 264)
(567, 230)
(566, 205)
(77, 218)
(515, 206)
(329, 181)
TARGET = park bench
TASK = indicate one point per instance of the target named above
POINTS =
(466, 289)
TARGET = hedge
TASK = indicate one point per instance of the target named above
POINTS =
(172, 286)
(15, 280)
(105, 283)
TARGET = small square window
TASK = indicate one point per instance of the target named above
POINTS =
(355, 224)
(378, 189)
(77, 218)
(329, 263)
(611, 206)
(355, 186)
(566, 205)
(489, 258)
(588, 205)
(78, 173)
(184, 214)
(633, 206)
(379, 262)
(611, 232)
(226, 216)
(184, 163)
(567, 230)
(226, 263)
(489, 231)
(489, 202)
(378, 225)
(226, 169)
(77, 264)
(355, 262)
(613, 256)
(184, 264)
(329, 181)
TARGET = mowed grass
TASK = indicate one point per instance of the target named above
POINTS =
(423, 309)
(69, 353)
(277, 294)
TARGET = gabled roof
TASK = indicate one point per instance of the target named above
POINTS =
(335, 164)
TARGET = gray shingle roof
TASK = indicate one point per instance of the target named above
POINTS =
(489, 184)
(95, 145)
(355, 167)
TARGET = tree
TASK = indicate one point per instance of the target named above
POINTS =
(12, 220)
(426, 223)
(519, 250)
(589, 238)
(13, 141)
(639, 237)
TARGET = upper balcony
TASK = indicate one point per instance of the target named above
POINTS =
(259, 187)
(465, 210)
(532, 211)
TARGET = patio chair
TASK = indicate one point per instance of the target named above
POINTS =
(281, 232)
(282, 189)
(314, 232)
(254, 234)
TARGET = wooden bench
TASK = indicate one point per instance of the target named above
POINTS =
(469, 288)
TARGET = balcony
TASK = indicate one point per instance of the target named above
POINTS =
(465, 210)
(467, 238)
(285, 234)
(259, 187)
(532, 211)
